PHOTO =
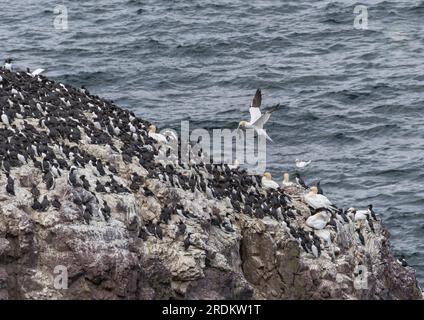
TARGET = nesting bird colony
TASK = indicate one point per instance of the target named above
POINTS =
(97, 173)
(43, 123)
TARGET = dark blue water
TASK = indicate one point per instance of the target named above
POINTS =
(354, 97)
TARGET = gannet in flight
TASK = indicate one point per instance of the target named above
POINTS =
(257, 119)
(302, 164)
(317, 201)
(268, 183)
(8, 64)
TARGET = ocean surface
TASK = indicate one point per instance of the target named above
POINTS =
(353, 98)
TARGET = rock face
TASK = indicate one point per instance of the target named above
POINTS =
(88, 209)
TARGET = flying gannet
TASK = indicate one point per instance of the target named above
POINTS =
(257, 119)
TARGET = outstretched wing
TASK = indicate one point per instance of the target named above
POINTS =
(257, 99)
(255, 114)
(259, 123)
(37, 72)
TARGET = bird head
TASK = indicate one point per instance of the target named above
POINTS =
(351, 210)
(286, 177)
(314, 189)
(152, 128)
(268, 176)
(8, 60)
(370, 206)
(242, 124)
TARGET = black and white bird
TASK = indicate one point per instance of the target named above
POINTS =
(402, 261)
(8, 65)
(371, 212)
(300, 181)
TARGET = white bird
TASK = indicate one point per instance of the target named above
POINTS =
(5, 119)
(156, 136)
(315, 251)
(286, 180)
(8, 64)
(318, 221)
(257, 119)
(302, 164)
(36, 72)
(325, 235)
(360, 214)
(170, 134)
(235, 165)
(316, 201)
(21, 158)
(267, 181)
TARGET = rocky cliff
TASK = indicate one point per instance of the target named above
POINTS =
(84, 194)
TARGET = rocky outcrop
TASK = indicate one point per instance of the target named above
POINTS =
(172, 231)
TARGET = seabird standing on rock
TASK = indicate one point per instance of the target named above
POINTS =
(402, 261)
(156, 136)
(36, 205)
(317, 201)
(100, 188)
(267, 181)
(106, 211)
(300, 181)
(5, 119)
(56, 204)
(359, 214)
(86, 215)
(319, 220)
(158, 231)
(10, 186)
(371, 212)
(187, 242)
(286, 180)
(73, 177)
(320, 191)
(49, 180)
(361, 237)
(181, 229)
(85, 183)
(257, 119)
(45, 204)
(8, 65)
(34, 191)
